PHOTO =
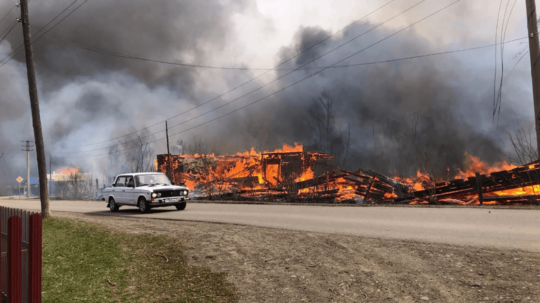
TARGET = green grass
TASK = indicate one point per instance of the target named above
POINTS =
(83, 262)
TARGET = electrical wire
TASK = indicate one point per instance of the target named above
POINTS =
(16, 51)
(522, 56)
(8, 30)
(379, 62)
(245, 83)
(499, 93)
(495, 78)
(282, 89)
(503, 38)
(12, 8)
(282, 76)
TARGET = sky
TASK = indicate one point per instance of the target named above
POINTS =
(440, 105)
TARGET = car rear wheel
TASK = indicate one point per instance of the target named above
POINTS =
(143, 205)
(181, 206)
(113, 206)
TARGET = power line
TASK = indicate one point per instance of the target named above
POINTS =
(12, 8)
(301, 80)
(8, 31)
(261, 87)
(16, 51)
(503, 37)
(124, 56)
(365, 64)
(249, 81)
(511, 71)
(495, 78)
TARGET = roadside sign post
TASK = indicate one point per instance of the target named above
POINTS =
(19, 180)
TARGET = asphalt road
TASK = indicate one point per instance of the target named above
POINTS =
(502, 228)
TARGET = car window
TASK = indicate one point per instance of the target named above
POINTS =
(141, 180)
(152, 180)
(129, 182)
(120, 182)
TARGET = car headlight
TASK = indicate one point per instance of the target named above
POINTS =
(154, 195)
(185, 192)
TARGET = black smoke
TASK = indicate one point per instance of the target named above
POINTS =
(427, 113)
(402, 115)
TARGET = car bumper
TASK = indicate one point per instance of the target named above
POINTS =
(168, 201)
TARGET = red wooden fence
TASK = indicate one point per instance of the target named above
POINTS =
(20, 245)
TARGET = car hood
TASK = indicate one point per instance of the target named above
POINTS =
(163, 187)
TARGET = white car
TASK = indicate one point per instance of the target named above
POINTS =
(145, 191)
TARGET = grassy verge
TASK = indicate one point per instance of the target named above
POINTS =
(83, 262)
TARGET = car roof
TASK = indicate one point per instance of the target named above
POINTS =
(137, 174)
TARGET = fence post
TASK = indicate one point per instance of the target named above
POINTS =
(1, 240)
(14, 260)
(34, 258)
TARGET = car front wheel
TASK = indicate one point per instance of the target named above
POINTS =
(113, 206)
(143, 205)
(181, 206)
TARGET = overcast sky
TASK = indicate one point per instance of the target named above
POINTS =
(88, 97)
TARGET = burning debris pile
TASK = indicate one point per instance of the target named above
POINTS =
(294, 175)
(514, 185)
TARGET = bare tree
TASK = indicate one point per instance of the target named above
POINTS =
(133, 154)
(348, 143)
(137, 154)
(326, 135)
(524, 146)
(195, 145)
(322, 121)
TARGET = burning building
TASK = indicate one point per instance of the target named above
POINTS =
(294, 175)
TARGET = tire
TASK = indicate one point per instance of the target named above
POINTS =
(113, 206)
(143, 205)
(181, 206)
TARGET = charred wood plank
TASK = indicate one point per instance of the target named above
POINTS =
(374, 197)
(249, 179)
(359, 175)
(383, 187)
(398, 188)
(479, 188)
(359, 182)
(367, 197)
(311, 182)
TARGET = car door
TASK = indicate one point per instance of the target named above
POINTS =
(119, 189)
(129, 193)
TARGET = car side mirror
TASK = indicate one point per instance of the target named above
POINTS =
(173, 183)
(113, 185)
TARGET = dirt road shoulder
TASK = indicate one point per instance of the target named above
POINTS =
(274, 265)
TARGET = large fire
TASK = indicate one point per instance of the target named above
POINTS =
(67, 171)
(294, 175)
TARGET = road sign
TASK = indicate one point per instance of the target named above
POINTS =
(19, 179)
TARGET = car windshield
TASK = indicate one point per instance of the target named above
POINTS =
(152, 179)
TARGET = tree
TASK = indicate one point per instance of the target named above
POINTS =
(524, 146)
(137, 154)
(131, 155)
(327, 138)
(195, 145)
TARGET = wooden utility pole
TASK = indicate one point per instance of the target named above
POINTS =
(50, 173)
(168, 153)
(34, 105)
(534, 51)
